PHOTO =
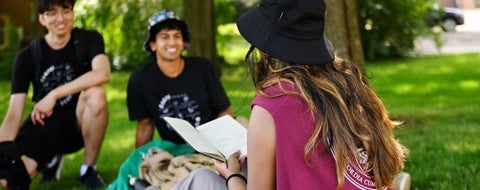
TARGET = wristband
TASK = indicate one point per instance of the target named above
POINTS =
(235, 175)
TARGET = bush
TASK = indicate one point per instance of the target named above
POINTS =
(123, 25)
(389, 28)
(7, 55)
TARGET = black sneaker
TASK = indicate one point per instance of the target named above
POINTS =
(91, 179)
(52, 169)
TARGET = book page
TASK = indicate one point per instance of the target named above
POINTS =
(194, 138)
(226, 134)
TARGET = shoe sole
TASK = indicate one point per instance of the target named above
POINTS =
(59, 170)
(59, 167)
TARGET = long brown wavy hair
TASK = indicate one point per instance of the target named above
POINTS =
(348, 112)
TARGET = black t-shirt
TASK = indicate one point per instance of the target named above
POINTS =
(196, 95)
(58, 68)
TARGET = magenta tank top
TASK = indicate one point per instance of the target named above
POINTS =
(294, 125)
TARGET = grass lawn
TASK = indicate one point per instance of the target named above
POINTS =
(437, 97)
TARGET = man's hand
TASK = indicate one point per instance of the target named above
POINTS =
(43, 109)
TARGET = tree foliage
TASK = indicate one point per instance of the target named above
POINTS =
(123, 25)
(7, 55)
(389, 28)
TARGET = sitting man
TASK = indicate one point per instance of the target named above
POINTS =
(171, 84)
(67, 68)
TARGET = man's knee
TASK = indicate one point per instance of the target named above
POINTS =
(94, 98)
(94, 93)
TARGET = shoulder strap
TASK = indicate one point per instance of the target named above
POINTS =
(79, 39)
(37, 56)
(80, 54)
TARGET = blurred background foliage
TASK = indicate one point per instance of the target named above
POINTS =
(123, 25)
(388, 28)
(7, 54)
(391, 27)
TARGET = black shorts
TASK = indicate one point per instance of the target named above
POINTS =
(60, 135)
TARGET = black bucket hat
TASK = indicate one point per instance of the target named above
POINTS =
(291, 30)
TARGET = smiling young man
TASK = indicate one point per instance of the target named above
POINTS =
(171, 84)
(70, 111)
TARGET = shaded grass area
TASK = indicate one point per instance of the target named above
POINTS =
(436, 97)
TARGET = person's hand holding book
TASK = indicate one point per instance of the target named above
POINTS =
(232, 168)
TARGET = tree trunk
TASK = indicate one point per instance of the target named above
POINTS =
(342, 29)
(201, 22)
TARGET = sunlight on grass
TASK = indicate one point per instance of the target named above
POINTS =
(440, 70)
(123, 143)
(464, 146)
(469, 85)
(429, 87)
(404, 88)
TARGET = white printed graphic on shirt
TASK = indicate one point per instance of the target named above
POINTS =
(358, 170)
(180, 106)
(55, 76)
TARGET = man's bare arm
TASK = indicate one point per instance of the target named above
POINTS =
(13, 117)
(99, 75)
(144, 132)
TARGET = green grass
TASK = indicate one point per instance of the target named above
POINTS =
(437, 97)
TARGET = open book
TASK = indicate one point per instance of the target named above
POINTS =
(217, 139)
